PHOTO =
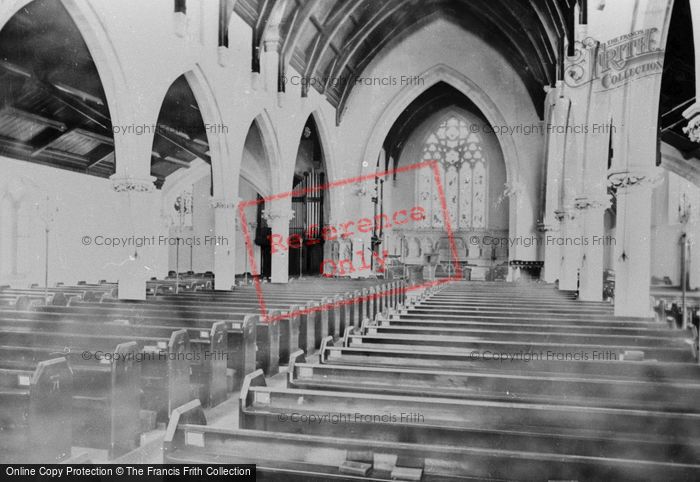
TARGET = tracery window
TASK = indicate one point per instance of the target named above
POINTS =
(463, 173)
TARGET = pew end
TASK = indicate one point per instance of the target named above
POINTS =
(289, 333)
(125, 405)
(296, 357)
(189, 413)
(113, 408)
(42, 431)
(327, 342)
(255, 379)
(51, 402)
(242, 339)
(346, 336)
(175, 373)
(268, 343)
(218, 357)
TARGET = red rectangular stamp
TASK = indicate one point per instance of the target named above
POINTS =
(346, 259)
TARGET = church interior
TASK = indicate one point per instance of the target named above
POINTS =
(346, 239)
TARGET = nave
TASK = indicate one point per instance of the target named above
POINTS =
(351, 379)
(350, 239)
(562, 394)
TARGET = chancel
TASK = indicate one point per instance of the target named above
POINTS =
(349, 239)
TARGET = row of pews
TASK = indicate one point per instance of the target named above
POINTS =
(98, 372)
(474, 380)
(62, 295)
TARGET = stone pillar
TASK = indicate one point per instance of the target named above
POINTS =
(224, 240)
(570, 252)
(359, 205)
(555, 146)
(551, 252)
(592, 213)
(278, 217)
(633, 243)
(693, 239)
(139, 196)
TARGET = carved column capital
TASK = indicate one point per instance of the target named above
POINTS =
(624, 180)
(218, 203)
(564, 214)
(132, 184)
(692, 130)
(272, 41)
(583, 203)
(363, 190)
(278, 214)
(548, 226)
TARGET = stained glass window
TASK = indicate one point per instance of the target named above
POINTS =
(462, 173)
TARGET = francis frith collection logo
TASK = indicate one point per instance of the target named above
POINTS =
(612, 64)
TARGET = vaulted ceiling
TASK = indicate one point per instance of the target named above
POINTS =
(54, 111)
(336, 40)
(678, 88)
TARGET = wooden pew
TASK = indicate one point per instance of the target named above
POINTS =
(288, 323)
(493, 384)
(206, 355)
(106, 398)
(22, 302)
(598, 348)
(193, 315)
(515, 363)
(316, 321)
(35, 413)
(601, 337)
(618, 328)
(162, 355)
(240, 328)
(541, 428)
(189, 440)
(63, 294)
(332, 321)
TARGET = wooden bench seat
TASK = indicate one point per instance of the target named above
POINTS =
(505, 316)
(664, 350)
(357, 305)
(527, 333)
(494, 384)
(553, 314)
(35, 413)
(61, 295)
(22, 302)
(373, 355)
(241, 327)
(106, 395)
(542, 428)
(619, 328)
(315, 323)
(207, 350)
(162, 355)
(316, 458)
(297, 323)
(474, 301)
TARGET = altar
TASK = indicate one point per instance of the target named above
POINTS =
(476, 253)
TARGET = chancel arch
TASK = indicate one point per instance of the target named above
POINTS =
(463, 184)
